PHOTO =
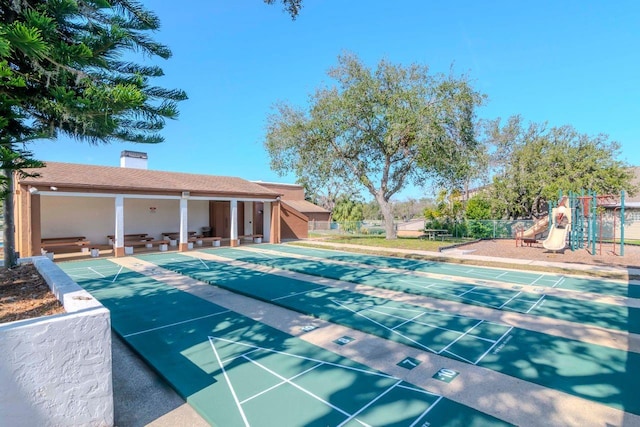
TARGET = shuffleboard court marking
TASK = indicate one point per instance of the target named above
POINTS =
(358, 313)
(462, 334)
(559, 281)
(488, 273)
(468, 290)
(493, 346)
(176, 323)
(117, 274)
(413, 319)
(98, 273)
(433, 287)
(536, 303)
(510, 299)
(246, 356)
(355, 414)
(204, 263)
(299, 293)
(444, 287)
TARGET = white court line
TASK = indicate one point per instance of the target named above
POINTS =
(273, 387)
(421, 323)
(509, 300)
(385, 327)
(459, 357)
(233, 392)
(491, 348)
(561, 280)
(407, 320)
(466, 292)
(117, 274)
(534, 282)
(355, 414)
(203, 263)
(99, 274)
(232, 358)
(87, 277)
(535, 303)
(426, 412)
(419, 286)
(277, 375)
(502, 274)
(311, 359)
(299, 293)
(174, 324)
(461, 336)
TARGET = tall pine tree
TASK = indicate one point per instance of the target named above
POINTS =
(62, 71)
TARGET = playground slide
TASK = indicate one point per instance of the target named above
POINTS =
(557, 238)
(538, 227)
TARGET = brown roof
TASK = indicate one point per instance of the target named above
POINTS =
(304, 207)
(79, 177)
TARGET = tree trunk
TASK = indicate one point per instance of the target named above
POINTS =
(385, 209)
(10, 258)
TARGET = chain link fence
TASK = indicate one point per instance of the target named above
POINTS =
(488, 229)
(607, 225)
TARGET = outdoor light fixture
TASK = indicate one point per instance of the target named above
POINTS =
(33, 190)
(53, 188)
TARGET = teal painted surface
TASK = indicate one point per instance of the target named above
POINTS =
(236, 372)
(586, 370)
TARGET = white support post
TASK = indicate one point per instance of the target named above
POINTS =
(234, 223)
(184, 226)
(118, 240)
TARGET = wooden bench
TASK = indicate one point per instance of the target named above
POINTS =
(133, 236)
(257, 238)
(175, 235)
(145, 242)
(65, 242)
(215, 241)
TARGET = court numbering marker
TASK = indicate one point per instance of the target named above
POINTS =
(446, 375)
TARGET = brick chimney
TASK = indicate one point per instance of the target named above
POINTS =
(133, 159)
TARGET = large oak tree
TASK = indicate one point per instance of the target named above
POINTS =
(378, 130)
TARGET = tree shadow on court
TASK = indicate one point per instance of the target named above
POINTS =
(593, 372)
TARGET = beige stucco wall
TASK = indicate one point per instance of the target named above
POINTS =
(139, 218)
(94, 217)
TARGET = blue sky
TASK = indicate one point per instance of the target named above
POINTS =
(563, 62)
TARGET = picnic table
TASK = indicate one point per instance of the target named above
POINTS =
(432, 233)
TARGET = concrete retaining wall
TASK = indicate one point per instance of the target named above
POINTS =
(56, 370)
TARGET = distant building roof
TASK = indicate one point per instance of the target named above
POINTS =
(304, 206)
(109, 178)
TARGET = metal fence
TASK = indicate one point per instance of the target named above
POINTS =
(493, 229)
(608, 227)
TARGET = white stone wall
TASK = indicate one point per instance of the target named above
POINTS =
(56, 370)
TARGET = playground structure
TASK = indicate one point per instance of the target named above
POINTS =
(577, 222)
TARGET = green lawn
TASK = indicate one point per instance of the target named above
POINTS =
(400, 243)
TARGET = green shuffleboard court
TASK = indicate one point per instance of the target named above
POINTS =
(582, 311)
(237, 372)
(589, 371)
(593, 285)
